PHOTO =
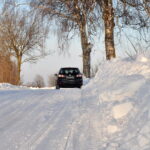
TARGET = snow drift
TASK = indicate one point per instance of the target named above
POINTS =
(118, 100)
(8, 86)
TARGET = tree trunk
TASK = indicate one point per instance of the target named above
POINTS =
(108, 16)
(86, 51)
(19, 62)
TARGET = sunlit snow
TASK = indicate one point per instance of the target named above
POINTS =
(110, 112)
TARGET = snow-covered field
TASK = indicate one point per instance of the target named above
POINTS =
(111, 112)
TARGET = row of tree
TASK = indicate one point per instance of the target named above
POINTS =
(23, 30)
(39, 82)
(88, 16)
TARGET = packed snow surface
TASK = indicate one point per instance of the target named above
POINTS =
(111, 112)
(10, 86)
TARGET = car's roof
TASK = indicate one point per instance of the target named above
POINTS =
(69, 68)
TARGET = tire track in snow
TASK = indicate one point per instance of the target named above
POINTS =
(35, 141)
(18, 114)
(74, 124)
(21, 119)
(24, 118)
(14, 101)
(83, 135)
(44, 133)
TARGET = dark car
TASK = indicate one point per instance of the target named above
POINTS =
(69, 77)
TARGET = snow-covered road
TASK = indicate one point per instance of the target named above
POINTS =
(42, 119)
(38, 119)
(65, 119)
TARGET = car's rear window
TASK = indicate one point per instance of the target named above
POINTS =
(69, 71)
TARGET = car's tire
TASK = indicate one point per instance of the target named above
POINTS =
(57, 87)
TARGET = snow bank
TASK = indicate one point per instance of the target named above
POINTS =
(121, 110)
(44, 88)
(118, 100)
(7, 86)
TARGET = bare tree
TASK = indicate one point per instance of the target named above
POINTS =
(133, 13)
(136, 16)
(122, 13)
(73, 16)
(146, 5)
(22, 33)
(51, 80)
(31, 84)
(39, 81)
(107, 9)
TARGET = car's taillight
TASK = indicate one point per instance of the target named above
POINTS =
(79, 75)
(61, 76)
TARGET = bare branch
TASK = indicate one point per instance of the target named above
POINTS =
(22, 33)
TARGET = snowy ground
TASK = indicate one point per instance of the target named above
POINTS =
(111, 112)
